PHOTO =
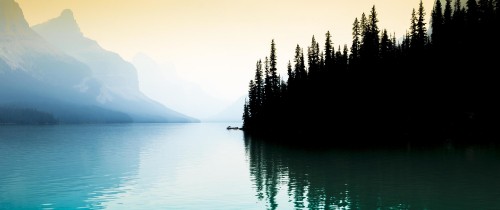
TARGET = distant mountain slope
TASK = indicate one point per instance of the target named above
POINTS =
(162, 83)
(32, 72)
(36, 75)
(116, 74)
(232, 113)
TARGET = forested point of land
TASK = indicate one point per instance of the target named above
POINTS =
(440, 81)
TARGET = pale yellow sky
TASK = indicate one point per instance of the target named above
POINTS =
(216, 43)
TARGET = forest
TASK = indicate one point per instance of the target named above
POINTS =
(439, 81)
(15, 115)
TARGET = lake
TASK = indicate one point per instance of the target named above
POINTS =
(205, 166)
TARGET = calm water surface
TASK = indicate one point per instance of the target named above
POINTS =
(205, 166)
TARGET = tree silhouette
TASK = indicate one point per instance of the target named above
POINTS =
(290, 73)
(274, 80)
(356, 42)
(246, 116)
(314, 59)
(344, 60)
(256, 93)
(442, 87)
(437, 21)
(300, 68)
(370, 39)
(329, 57)
(385, 46)
(414, 30)
(268, 84)
(421, 28)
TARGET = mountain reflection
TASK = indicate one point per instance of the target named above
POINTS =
(439, 178)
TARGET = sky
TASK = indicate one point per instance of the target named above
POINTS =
(216, 43)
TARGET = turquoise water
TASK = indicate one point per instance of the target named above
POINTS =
(205, 166)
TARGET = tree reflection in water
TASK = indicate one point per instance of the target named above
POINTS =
(438, 178)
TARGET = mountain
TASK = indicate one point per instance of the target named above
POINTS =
(162, 83)
(232, 113)
(119, 78)
(36, 74)
(109, 68)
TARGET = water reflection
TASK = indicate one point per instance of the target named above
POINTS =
(438, 178)
(129, 166)
(65, 167)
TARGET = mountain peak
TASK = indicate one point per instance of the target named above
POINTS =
(66, 23)
(64, 26)
(12, 17)
(67, 14)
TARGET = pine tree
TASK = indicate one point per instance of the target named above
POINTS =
(374, 30)
(300, 69)
(321, 67)
(356, 33)
(291, 74)
(338, 56)
(258, 86)
(319, 56)
(313, 58)
(275, 80)
(394, 42)
(447, 12)
(457, 12)
(283, 88)
(365, 36)
(246, 115)
(364, 28)
(369, 50)
(268, 86)
(328, 52)
(421, 28)
(405, 46)
(384, 45)
(413, 30)
(437, 23)
(345, 58)
(252, 106)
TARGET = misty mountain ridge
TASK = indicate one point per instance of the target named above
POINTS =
(161, 83)
(19, 42)
(232, 113)
(117, 75)
(60, 72)
(30, 67)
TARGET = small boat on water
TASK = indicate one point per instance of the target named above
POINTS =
(233, 128)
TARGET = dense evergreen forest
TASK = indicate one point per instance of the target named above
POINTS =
(439, 81)
(14, 115)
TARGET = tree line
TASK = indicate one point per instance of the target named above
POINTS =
(15, 115)
(439, 80)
